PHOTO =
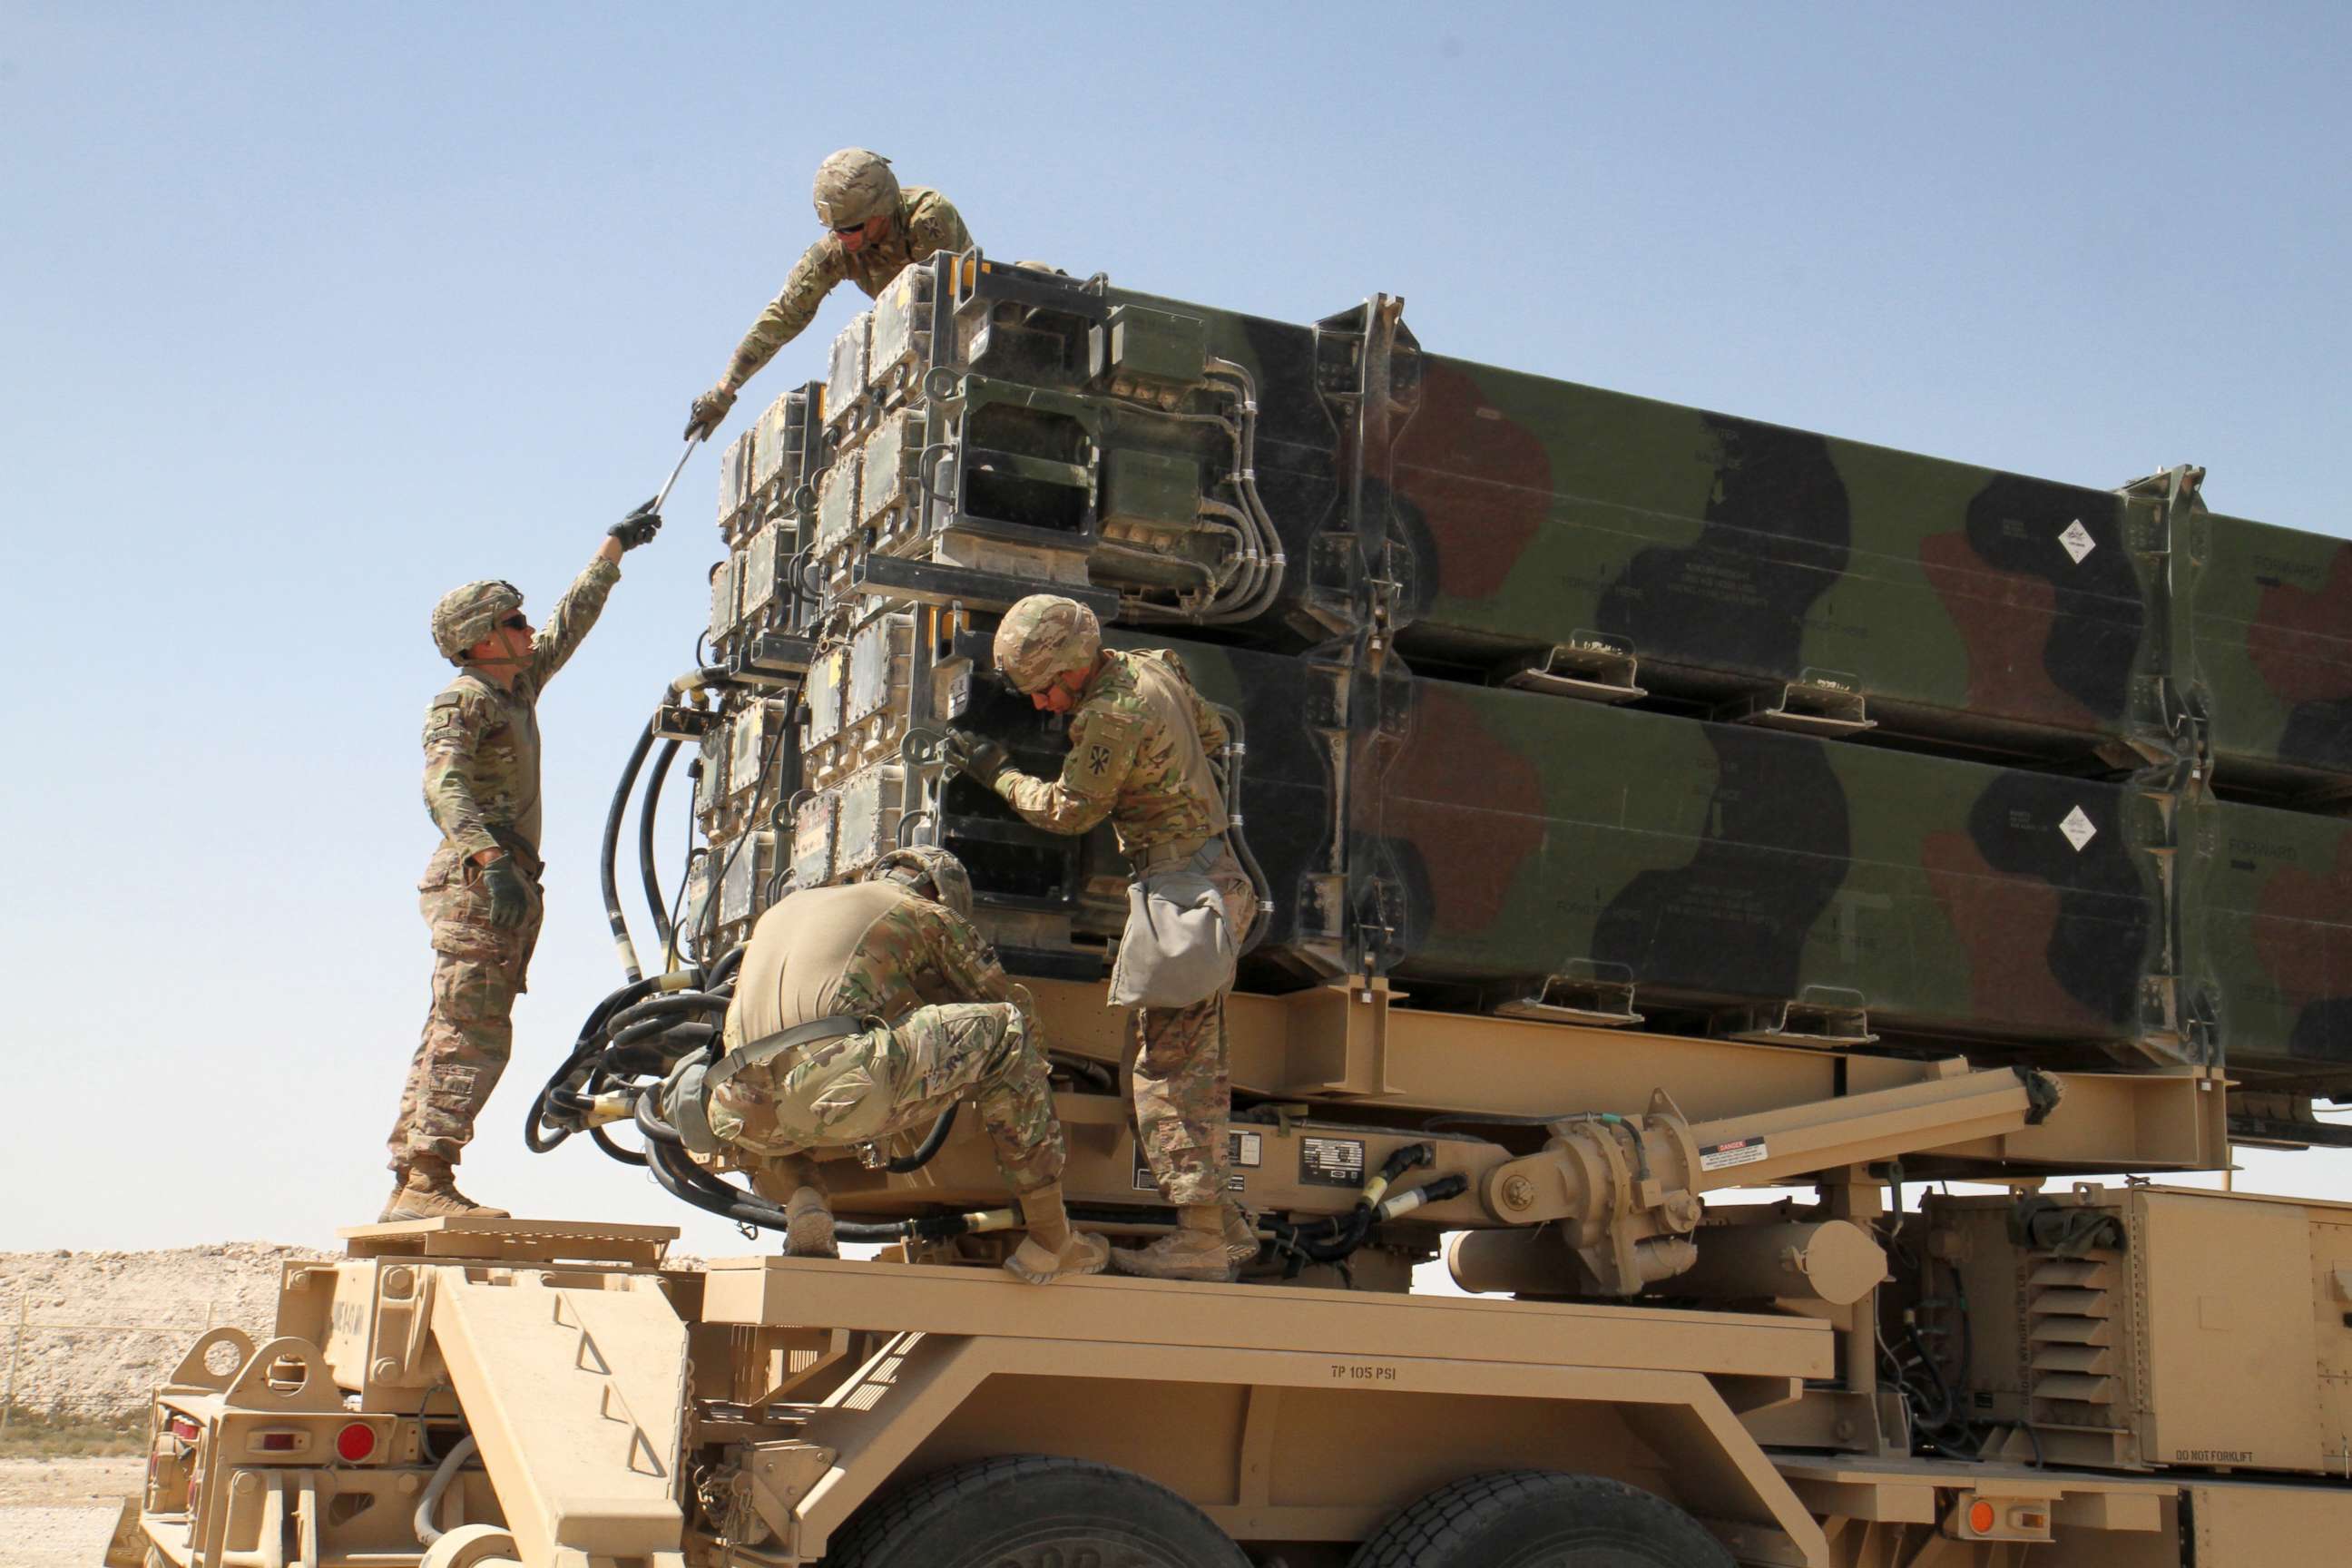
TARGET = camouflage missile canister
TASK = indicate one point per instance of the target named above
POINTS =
(1557, 701)
(2274, 655)
(1535, 847)
(2268, 914)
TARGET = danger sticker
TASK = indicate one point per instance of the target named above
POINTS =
(1738, 1152)
(2077, 541)
(1331, 1161)
(2079, 828)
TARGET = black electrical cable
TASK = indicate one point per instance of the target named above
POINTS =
(605, 876)
(1348, 1231)
(604, 1141)
(759, 794)
(722, 973)
(646, 813)
(671, 1005)
(649, 1122)
(930, 1145)
(584, 1051)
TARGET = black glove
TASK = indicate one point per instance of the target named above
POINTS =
(975, 757)
(509, 895)
(702, 418)
(636, 528)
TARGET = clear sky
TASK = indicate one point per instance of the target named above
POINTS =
(309, 313)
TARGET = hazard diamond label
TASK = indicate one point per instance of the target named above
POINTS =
(2077, 541)
(2078, 828)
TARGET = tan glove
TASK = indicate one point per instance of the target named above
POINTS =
(709, 409)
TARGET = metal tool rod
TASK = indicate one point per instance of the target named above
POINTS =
(674, 473)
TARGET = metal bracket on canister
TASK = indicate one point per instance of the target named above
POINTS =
(1823, 703)
(1824, 1018)
(1586, 993)
(1589, 666)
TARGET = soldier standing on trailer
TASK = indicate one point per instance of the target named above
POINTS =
(875, 232)
(869, 1010)
(480, 894)
(1141, 744)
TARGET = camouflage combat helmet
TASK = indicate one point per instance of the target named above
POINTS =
(853, 186)
(951, 884)
(1042, 636)
(466, 616)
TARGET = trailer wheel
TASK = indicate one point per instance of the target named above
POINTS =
(1537, 1518)
(1031, 1511)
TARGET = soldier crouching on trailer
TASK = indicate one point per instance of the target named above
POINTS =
(868, 1010)
(1140, 743)
(480, 894)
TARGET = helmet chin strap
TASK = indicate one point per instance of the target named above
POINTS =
(517, 659)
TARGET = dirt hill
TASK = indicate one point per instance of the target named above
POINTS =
(132, 1316)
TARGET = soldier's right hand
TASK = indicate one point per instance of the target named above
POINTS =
(702, 418)
(509, 899)
(975, 757)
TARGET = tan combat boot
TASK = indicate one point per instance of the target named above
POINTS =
(1241, 1234)
(426, 1188)
(1052, 1249)
(808, 1230)
(1196, 1251)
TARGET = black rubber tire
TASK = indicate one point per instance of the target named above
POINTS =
(1029, 1510)
(1537, 1518)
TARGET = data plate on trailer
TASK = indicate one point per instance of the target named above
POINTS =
(1331, 1161)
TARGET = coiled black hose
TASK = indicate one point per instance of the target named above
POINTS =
(646, 871)
(606, 877)
(539, 1135)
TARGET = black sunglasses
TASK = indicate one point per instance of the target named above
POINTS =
(517, 622)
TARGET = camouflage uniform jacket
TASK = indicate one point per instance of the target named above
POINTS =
(1140, 740)
(482, 743)
(868, 950)
(925, 223)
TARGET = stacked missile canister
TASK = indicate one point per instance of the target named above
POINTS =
(1556, 701)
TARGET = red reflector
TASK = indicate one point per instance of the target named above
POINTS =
(355, 1442)
(185, 1430)
(1981, 1518)
(275, 1442)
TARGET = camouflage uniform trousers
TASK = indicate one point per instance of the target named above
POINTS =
(1182, 1077)
(477, 970)
(858, 1089)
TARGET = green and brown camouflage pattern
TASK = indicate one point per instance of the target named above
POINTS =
(2268, 912)
(2058, 692)
(2273, 653)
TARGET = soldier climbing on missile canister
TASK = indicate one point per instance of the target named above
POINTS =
(1141, 742)
(480, 894)
(875, 230)
(871, 1009)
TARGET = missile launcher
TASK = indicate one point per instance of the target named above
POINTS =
(1555, 703)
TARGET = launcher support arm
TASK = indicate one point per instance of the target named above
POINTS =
(1625, 1191)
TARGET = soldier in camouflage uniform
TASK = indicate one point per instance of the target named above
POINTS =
(1141, 742)
(865, 1011)
(876, 230)
(480, 894)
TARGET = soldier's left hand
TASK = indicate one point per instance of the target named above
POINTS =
(976, 756)
(636, 528)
